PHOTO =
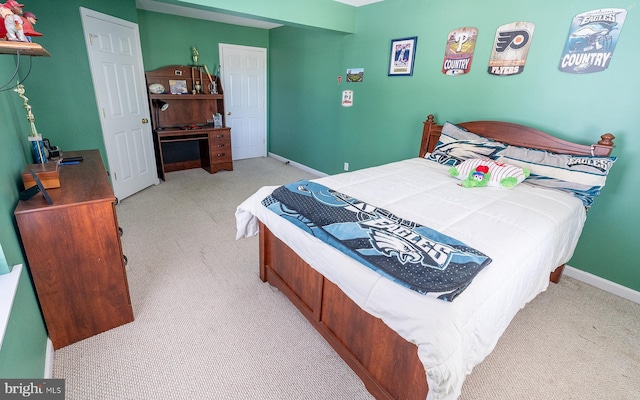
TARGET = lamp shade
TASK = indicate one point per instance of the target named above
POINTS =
(162, 105)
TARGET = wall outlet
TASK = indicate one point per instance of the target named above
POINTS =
(346, 166)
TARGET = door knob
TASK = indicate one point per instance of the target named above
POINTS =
(228, 112)
(145, 121)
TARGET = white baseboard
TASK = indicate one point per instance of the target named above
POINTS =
(48, 360)
(297, 165)
(603, 284)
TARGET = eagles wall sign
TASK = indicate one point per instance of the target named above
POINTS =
(592, 38)
(461, 43)
(511, 47)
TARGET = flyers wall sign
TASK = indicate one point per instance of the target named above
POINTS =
(510, 49)
(592, 39)
(461, 44)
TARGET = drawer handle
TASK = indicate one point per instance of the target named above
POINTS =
(221, 154)
(121, 231)
(221, 145)
(219, 136)
(126, 260)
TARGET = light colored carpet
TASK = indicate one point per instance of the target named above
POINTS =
(206, 327)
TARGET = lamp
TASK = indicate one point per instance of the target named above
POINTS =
(162, 105)
(159, 106)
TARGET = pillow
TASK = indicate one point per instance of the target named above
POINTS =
(457, 144)
(581, 176)
(476, 172)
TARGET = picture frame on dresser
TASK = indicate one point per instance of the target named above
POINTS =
(28, 193)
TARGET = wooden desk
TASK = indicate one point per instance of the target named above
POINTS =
(177, 149)
(74, 253)
(213, 150)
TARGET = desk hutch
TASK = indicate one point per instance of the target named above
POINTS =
(184, 136)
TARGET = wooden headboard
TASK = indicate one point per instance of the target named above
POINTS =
(517, 135)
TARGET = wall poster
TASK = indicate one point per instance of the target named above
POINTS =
(403, 54)
(461, 43)
(592, 38)
(347, 98)
(355, 75)
(511, 47)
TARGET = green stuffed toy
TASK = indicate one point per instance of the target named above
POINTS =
(480, 173)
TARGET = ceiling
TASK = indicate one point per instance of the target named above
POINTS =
(358, 3)
(155, 6)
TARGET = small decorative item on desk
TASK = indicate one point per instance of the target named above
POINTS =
(39, 152)
(217, 120)
(197, 87)
(156, 88)
(178, 86)
(213, 87)
(47, 173)
(194, 55)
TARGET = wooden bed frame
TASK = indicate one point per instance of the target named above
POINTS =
(387, 364)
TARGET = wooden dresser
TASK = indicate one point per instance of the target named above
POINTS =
(74, 253)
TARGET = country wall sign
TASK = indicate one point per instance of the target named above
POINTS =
(510, 48)
(461, 43)
(592, 38)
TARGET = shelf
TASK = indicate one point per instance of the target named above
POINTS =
(24, 48)
(177, 130)
(169, 96)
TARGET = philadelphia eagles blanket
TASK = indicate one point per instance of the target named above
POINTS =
(412, 255)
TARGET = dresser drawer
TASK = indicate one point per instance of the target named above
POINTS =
(221, 136)
(221, 156)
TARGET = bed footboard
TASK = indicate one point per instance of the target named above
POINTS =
(556, 274)
(387, 364)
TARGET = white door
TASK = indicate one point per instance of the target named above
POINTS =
(115, 57)
(244, 74)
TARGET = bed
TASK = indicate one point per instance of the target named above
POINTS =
(404, 344)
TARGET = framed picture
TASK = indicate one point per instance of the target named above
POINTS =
(178, 86)
(355, 74)
(403, 53)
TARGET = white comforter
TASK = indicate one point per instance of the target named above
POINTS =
(527, 231)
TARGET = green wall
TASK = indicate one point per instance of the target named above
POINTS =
(61, 94)
(168, 39)
(23, 349)
(60, 86)
(308, 125)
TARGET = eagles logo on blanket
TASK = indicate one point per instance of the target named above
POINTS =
(408, 253)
